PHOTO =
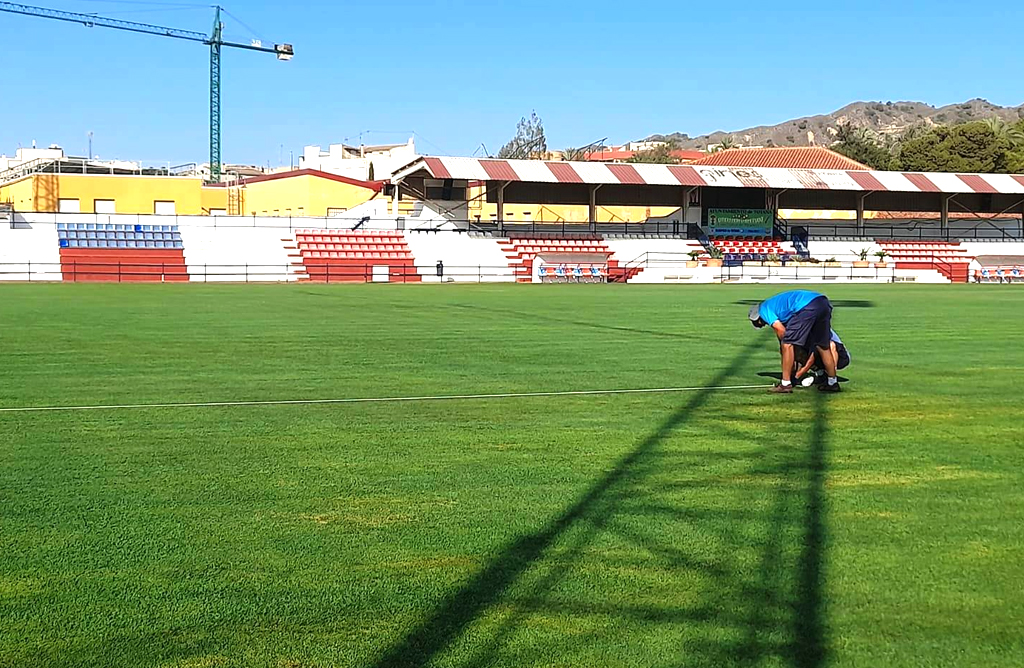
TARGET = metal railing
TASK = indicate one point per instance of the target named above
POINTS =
(165, 272)
(1013, 231)
(513, 228)
(797, 272)
(72, 166)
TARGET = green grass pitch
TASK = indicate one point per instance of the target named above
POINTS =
(880, 527)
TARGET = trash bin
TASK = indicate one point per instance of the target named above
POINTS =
(440, 269)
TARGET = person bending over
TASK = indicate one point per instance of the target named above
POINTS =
(800, 318)
(808, 364)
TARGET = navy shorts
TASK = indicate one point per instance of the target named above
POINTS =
(811, 326)
(844, 356)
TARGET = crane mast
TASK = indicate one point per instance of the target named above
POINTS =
(215, 40)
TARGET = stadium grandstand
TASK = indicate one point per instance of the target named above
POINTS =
(775, 215)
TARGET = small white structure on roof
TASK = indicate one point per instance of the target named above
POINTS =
(354, 161)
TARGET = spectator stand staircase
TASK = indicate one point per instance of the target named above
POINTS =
(949, 258)
(356, 256)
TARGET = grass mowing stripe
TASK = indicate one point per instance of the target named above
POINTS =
(369, 400)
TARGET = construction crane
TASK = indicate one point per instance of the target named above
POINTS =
(215, 40)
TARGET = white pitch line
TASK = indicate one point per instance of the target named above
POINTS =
(369, 400)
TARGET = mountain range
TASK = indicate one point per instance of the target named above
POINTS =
(884, 118)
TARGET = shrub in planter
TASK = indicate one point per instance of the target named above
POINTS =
(863, 255)
(715, 257)
(881, 255)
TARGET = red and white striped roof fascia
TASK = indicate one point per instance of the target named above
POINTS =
(596, 173)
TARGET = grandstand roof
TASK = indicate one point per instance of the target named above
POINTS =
(774, 178)
(793, 157)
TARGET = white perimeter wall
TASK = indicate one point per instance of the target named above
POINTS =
(216, 254)
(225, 244)
(976, 248)
(29, 247)
(466, 259)
(844, 251)
(665, 259)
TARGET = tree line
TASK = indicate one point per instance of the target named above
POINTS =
(991, 146)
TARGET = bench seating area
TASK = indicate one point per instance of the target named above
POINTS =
(113, 235)
(748, 249)
(913, 251)
(572, 273)
(351, 255)
(948, 258)
(111, 252)
(1007, 274)
(521, 251)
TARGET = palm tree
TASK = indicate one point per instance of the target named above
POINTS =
(574, 154)
(1003, 130)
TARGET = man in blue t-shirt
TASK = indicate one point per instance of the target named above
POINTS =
(803, 319)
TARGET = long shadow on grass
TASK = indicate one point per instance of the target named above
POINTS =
(456, 612)
(732, 541)
(809, 646)
(783, 608)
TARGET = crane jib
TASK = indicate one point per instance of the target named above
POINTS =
(213, 40)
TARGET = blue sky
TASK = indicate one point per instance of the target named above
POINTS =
(460, 74)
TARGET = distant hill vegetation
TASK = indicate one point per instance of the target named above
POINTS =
(889, 120)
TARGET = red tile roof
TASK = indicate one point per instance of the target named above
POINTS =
(792, 157)
(376, 186)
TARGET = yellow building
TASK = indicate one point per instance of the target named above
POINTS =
(479, 209)
(106, 193)
(303, 192)
(297, 193)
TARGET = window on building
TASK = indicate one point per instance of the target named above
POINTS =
(277, 213)
(218, 212)
(288, 212)
(68, 206)
(103, 206)
(300, 212)
(163, 208)
(335, 211)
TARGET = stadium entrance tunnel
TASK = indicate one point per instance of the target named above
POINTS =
(715, 554)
